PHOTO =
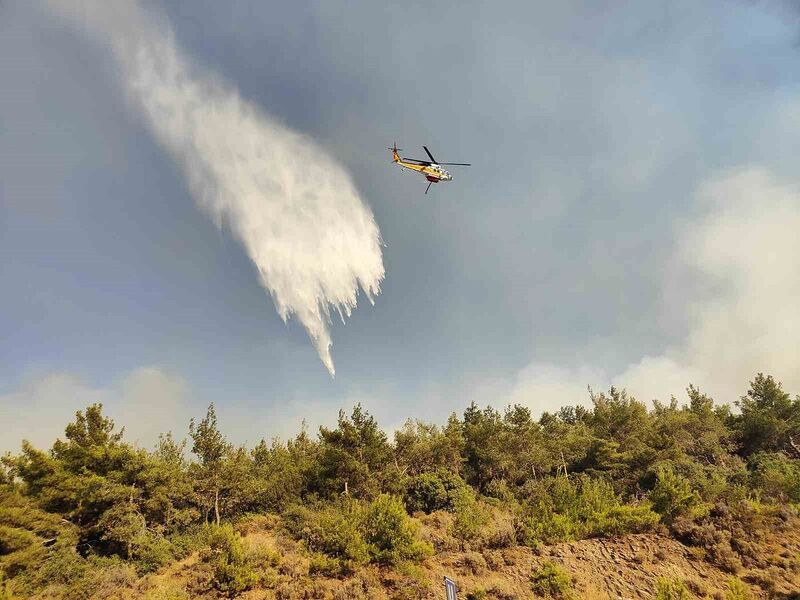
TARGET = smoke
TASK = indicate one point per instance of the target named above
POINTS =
(745, 249)
(295, 210)
(146, 401)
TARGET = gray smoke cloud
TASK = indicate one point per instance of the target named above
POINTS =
(294, 208)
(745, 247)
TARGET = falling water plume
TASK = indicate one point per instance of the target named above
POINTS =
(296, 211)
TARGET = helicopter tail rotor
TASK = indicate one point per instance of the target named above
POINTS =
(395, 150)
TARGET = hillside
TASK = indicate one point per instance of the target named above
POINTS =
(614, 501)
(626, 567)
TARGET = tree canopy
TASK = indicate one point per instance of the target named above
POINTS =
(606, 467)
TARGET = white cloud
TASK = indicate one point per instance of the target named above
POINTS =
(744, 318)
(294, 207)
(147, 401)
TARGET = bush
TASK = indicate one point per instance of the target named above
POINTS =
(413, 581)
(559, 509)
(355, 533)
(62, 567)
(151, 552)
(439, 490)
(232, 572)
(500, 531)
(322, 564)
(671, 589)
(24, 557)
(775, 476)
(710, 482)
(470, 517)
(186, 542)
(545, 526)
(263, 557)
(672, 495)
(334, 533)
(737, 590)
(551, 581)
(120, 527)
(79, 578)
(713, 540)
(114, 581)
(390, 534)
(620, 520)
(13, 539)
(426, 493)
(296, 520)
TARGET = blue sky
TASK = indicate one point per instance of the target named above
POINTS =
(628, 217)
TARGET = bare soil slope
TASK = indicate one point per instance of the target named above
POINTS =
(623, 568)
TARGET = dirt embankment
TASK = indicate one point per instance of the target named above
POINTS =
(613, 569)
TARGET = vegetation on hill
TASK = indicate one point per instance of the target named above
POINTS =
(94, 516)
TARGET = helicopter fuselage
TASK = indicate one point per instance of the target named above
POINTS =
(433, 173)
(431, 170)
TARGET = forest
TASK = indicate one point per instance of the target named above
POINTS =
(350, 506)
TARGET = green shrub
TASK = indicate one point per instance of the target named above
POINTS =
(263, 557)
(186, 542)
(20, 512)
(80, 578)
(620, 520)
(63, 566)
(737, 590)
(560, 509)
(337, 535)
(775, 476)
(545, 526)
(322, 564)
(349, 534)
(426, 493)
(232, 572)
(438, 490)
(499, 490)
(24, 529)
(152, 551)
(672, 495)
(470, 518)
(671, 589)
(709, 482)
(121, 527)
(333, 532)
(414, 580)
(390, 534)
(296, 520)
(13, 539)
(551, 581)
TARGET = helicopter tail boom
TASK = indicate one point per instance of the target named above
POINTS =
(395, 150)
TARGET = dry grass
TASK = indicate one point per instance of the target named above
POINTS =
(602, 569)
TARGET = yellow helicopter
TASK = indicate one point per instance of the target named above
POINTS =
(431, 169)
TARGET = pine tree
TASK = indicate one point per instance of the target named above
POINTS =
(211, 447)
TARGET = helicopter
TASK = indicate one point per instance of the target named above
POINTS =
(431, 169)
